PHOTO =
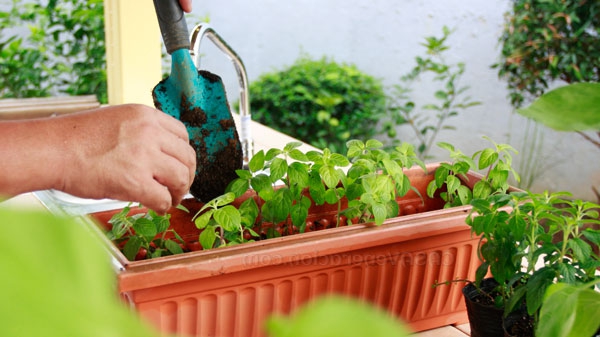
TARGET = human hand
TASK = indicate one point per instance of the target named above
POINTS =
(186, 5)
(128, 152)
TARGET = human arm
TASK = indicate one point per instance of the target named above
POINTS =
(128, 152)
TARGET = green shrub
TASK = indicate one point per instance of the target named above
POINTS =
(546, 41)
(319, 102)
(63, 53)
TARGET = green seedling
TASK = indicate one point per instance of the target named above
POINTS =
(145, 234)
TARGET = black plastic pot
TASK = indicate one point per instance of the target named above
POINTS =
(485, 320)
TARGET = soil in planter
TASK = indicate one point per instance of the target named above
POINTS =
(518, 324)
(485, 319)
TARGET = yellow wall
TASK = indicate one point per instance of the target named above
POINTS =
(133, 50)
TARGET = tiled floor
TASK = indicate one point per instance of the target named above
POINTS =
(462, 330)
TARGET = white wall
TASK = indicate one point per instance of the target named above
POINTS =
(382, 37)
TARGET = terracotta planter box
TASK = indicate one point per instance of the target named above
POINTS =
(230, 291)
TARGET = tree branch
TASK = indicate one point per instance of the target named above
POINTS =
(590, 139)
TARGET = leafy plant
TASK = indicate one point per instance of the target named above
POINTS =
(320, 102)
(145, 234)
(497, 162)
(64, 52)
(372, 181)
(280, 187)
(431, 118)
(530, 241)
(220, 220)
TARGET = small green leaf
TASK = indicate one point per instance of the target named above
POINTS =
(452, 184)
(314, 156)
(202, 220)
(338, 160)
(277, 169)
(441, 95)
(257, 162)
(331, 196)
(131, 248)
(272, 153)
(373, 144)
(145, 227)
(299, 213)
(593, 235)
(482, 189)
(291, 146)
(228, 217)
(183, 208)
(277, 209)
(261, 182)
(207, 238)
(298, 174)
(379, 213)
(446, 146)
(581, 249)
(464, 194)
(440, 176)
(224, 199)
(173, 247)
(487, 158)
(330, 176)
(431, 189)
(355, 148)
(403, 186)
(536, 287)
(248, 212)
(298, 155)
(354, 191)
(244, 174)
(316, 188)
(499, 179)
(238, 187)
(161, 223)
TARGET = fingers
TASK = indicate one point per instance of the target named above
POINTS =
(186, 5)
(156, 197)
(172, 125)
(178, 147)
(175, 177)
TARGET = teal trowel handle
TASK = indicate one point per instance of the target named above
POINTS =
(172, 25)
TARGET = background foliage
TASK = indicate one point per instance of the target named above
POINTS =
(548, 40)
(319, 101)
(449, 96)
(63, 53)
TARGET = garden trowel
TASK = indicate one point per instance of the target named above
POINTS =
(198, 99)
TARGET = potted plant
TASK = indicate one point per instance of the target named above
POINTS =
(520, 255)
(401, 241)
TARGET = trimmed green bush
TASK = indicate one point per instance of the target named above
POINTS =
(320, 102)
(64, 52)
